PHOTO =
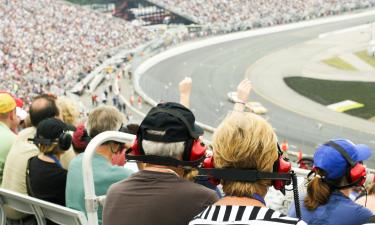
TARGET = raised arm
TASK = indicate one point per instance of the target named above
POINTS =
(243, 92)
(185, 90)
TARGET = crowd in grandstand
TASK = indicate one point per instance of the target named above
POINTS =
(45, 45)
(244, 14)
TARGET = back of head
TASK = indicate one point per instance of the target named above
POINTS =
(167, 130)
(7, 106)
(68, 110)
(104, 118)
(334, 162)
(52, 137)
(43, 107)
(245, 140)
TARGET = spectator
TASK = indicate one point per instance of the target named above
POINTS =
(46, 177)
(244, 141)
(42, 107)
(155, 195)
(327, 201)
(8, 120)
(101, 119)
(68, 110)
(80, 139)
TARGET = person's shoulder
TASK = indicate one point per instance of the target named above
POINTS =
(196, 188)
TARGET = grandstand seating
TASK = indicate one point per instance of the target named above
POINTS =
(42, 210)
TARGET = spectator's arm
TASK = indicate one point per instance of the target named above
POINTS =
(185, 90)
(243, 92)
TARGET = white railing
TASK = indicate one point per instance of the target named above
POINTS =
(91, 200)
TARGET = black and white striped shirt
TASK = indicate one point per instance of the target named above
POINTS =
(244, 215)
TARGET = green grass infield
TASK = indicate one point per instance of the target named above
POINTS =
(365, 57)
(339, 64)
(327, 92)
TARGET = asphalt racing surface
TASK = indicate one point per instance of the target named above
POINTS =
(218, 69)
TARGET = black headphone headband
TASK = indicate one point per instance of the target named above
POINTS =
(244, 175)
(163, 160)
(342, 151)
(43, 141)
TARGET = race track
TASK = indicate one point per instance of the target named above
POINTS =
(218, 69)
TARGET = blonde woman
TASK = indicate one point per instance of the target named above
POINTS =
(68, 110)
(244, 141)
(46, 178)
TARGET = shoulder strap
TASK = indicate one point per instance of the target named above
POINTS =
(28, 184)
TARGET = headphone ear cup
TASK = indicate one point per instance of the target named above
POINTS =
(281, 166)
(65, 141)
(358, 174)
(135, 147)
(208, 163)
(198, 150)
(186, 155)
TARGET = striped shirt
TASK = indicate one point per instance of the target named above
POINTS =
(244, 215)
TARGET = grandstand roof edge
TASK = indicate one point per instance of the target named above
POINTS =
(155, 2)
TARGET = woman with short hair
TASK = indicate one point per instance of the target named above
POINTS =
(244, 141)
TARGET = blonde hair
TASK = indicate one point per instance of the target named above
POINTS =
(245, 140)
(104, 118)
(68, 110)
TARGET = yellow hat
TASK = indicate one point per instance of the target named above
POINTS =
(7, 103)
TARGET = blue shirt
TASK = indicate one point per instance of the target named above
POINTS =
(339, 210)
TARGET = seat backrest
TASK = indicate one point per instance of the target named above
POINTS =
(60, 214)
(41, 209)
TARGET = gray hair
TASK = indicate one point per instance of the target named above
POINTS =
(104, 118)
(174, 149)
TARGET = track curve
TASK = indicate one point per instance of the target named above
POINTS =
(217, 69)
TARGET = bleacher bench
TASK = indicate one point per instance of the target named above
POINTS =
(42, 210)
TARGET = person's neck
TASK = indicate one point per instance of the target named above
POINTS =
(244, 201)
(346, 192)
(104, 151)
(6, 123)
(47, 158)
(164, 169)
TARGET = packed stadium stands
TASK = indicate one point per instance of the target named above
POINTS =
(45, 45)
(243, 14)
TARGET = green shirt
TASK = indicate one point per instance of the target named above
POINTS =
(105, 174)
(7, 138)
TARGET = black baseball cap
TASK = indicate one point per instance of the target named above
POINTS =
(169, 122)
(51, 128)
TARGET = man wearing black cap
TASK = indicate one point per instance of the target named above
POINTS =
(158, 194)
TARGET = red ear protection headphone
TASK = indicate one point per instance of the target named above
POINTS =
(281, 166)
(194, 149)
(356, 173)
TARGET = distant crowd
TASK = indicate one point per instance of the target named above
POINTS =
(244, 14)
(47, 45)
